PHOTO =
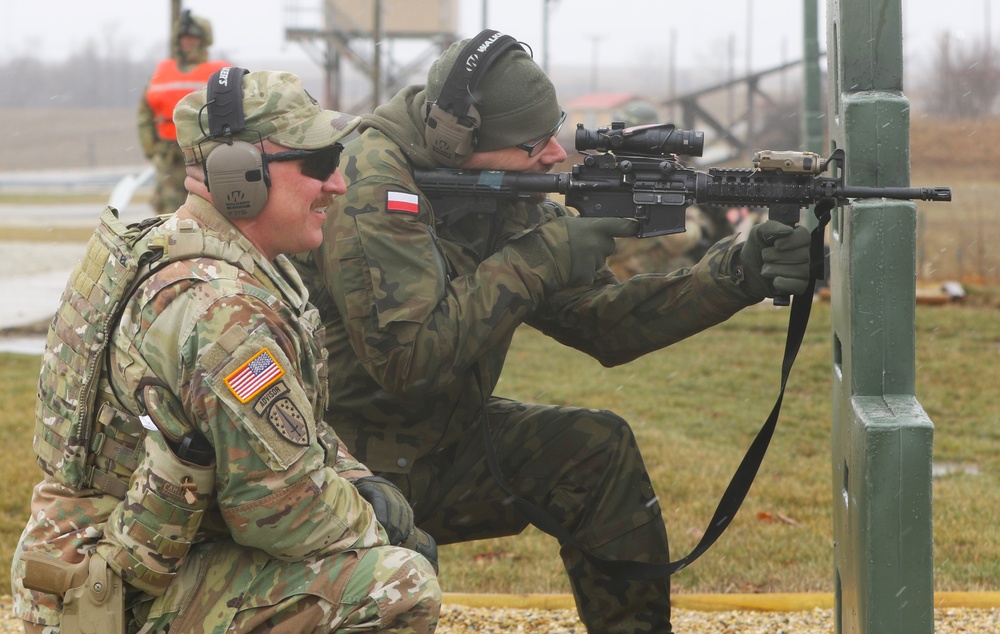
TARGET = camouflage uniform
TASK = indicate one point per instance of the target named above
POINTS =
(164, 153)
(419, 311)
(265, 533)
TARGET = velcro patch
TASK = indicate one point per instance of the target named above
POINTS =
(253, 376)
(402, 202)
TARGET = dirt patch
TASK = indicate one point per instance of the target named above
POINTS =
(55, 138)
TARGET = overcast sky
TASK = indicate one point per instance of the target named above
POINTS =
(621, 32)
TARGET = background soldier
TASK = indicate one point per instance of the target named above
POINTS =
(186, 70)
(421, 298)
(194, 486)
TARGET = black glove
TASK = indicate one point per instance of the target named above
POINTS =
(775, 259)
(394, 513)
(591, 241)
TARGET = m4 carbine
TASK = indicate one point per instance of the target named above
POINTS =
(636, 173)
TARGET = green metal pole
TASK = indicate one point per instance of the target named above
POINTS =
(812, 97)
(882, 439)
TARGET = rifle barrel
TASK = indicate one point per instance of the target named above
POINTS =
(496, 183)
(940, 194)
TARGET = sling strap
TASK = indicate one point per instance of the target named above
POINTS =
(741, 481)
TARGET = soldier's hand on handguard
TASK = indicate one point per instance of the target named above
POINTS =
(775, 260)
(394, 513)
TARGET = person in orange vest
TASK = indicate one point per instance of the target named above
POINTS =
(187, 70)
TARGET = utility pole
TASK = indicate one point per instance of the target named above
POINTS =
(672, 70)
(751, 133)
(987, 26)
(731, 79)
(545, 35)
(175, 14)
(378, 37)
(595, 40)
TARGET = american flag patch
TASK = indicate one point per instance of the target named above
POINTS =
(402, 202)
(254, 375)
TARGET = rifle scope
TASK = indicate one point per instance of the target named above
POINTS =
(658, 139)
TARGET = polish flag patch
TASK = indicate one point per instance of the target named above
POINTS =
(402, 202)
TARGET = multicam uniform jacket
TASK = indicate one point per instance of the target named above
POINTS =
(414, 297)
(220, 342)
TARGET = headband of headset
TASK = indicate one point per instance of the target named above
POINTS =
(225, 101)
(470, 67)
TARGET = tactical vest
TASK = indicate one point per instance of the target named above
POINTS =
(76, 343)
(75, 440)
(169, 85)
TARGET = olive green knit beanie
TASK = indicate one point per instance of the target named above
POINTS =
(516, 101)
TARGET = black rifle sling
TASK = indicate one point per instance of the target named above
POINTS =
(741, 481)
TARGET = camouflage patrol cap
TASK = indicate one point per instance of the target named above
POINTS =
(275, 105)
(515, 99)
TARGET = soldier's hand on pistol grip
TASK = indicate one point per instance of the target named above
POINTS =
(775, 260)
(393, 512)
(591, 242)
(567, 251)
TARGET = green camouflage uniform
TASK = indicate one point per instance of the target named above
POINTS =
(266, 532)
(416, 305)
(165, 154)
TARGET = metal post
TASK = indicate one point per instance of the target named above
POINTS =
(882, 439)
(751, 84)
(331, 59)
(175, 14)
(812, 99)
(545, 36)
(378, 37)
(672, 77)
(595, 59)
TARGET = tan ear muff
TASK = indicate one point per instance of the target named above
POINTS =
(235, 171)
(449, 137)
(452, 121)
(237, 179)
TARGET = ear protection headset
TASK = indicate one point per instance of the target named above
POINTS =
(452, 121)
(235, 172)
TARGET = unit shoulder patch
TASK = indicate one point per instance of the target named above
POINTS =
(288, 421)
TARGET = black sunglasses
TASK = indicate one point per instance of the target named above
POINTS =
(319, 164)
(540, 143)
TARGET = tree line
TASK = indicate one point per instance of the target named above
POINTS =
(88, 78)
(962, 80)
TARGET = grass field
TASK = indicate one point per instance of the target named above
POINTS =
(696, 406)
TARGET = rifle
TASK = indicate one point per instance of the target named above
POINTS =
(637, 174)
